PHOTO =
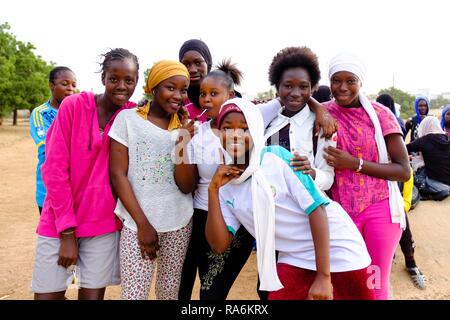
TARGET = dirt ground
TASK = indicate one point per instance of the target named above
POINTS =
(430, 224)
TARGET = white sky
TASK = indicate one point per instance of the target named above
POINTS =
(405, 38)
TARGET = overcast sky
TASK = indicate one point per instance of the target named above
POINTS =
(402, 41)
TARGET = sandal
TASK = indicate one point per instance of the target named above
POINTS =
(417, 277)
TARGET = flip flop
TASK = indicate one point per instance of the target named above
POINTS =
(417, 277)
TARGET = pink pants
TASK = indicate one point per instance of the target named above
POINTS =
(381, 237)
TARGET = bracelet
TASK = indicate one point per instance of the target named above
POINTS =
(361, 162)
(68, 232)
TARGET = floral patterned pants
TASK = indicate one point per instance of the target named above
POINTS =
(137, 273)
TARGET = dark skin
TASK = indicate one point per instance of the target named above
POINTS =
(294, 91)
(213, 93)
(423, 110)
(120, 79)
(168, 99)
(447, 121)
(345, 87)
(196, 65)
(238, 142)
(63, 86)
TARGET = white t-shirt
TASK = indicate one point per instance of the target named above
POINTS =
(296, 196)
(151, 173)
(203, 150)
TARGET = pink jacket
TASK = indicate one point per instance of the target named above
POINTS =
(76, 172)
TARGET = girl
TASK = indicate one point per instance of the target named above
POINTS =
(368, 136)
(294, 72)
(321, 253)
(217, 272)
(195, 55)
(156, 214)
(62, 83)
(78, 225)
(422, 108)
(194, 172)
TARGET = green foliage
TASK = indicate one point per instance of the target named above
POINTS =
(439, 102)
(266, 95)
(23, 75)
(404, 99)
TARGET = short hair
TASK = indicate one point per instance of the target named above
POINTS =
(293, 57)
(55, 71)
(117, 54)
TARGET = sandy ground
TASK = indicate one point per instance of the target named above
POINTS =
(430, 224)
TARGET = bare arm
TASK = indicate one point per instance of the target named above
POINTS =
(186, 174)
(323, 119)
(216, 230)
(397, 170)
(321, 289)
(147, 236)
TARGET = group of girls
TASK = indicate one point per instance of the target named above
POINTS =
(138, 190)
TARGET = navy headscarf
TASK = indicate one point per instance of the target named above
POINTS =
(200, 47)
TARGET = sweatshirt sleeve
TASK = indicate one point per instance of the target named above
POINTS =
(324, 173)
(416, 145)
(56, 168)
(269, 111)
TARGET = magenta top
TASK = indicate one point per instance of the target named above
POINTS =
(356, 135)
(194, 111)
(76, 172)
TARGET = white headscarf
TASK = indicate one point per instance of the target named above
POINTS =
(350, 63)
(429, 125)
(263, 203)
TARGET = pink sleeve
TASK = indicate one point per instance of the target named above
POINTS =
(389, 123)
(55, 170)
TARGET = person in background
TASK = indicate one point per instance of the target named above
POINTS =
(445, 119)
(434, 144)
(62, 83)
(422, 107)
(195, 55)
(386, 100)
(322, 94)
(78, 228)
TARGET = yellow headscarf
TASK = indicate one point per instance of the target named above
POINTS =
(161, 71)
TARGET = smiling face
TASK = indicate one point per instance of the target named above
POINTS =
(64, 85)
(295, 89)
(236, 138)
(213, 93)
(170, 94)
(345, 87)
(196, 65)
(120, 79)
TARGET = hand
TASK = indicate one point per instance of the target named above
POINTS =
(301, 163)
(321, 289)
(340, 159)
(148, 241)
(68, 250)
(224, 173)
(325, 121)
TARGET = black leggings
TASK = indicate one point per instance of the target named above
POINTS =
(217, 271)
(407, 242)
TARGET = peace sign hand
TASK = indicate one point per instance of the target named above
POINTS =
(224, 173)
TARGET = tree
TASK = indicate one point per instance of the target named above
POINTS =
(23, 75)
(439, 102)
(266, 95)
(404, 99)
